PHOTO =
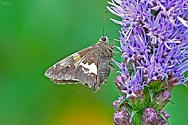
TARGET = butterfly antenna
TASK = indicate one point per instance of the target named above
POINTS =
(105, 13)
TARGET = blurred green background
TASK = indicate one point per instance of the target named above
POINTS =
(34, 34)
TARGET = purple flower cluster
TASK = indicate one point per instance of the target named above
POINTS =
(154, 45)
(154, 42)
(122, 115)
(151, 117)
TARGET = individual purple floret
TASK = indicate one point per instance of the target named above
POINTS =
(150, 117)
(122, 117)
(162, 98)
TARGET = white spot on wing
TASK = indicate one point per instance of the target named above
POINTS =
(92, 67)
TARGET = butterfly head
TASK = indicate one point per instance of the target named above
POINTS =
(104, 39)
(104, 47)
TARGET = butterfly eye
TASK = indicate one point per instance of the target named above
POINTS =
(104, 38)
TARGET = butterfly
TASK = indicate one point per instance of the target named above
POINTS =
(90, 66)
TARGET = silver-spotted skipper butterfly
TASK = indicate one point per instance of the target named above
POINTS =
(90, 66)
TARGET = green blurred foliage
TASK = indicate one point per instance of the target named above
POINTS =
(34, 34)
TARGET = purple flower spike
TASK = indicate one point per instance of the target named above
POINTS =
(154, 37)
(154, 46)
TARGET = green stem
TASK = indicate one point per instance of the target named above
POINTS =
(137, 118)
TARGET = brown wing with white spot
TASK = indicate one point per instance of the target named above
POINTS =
(64, 70)
(86, 71)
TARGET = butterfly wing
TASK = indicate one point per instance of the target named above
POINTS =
(93, 70)
(86, 70)
(94, 67)
(64, 70)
